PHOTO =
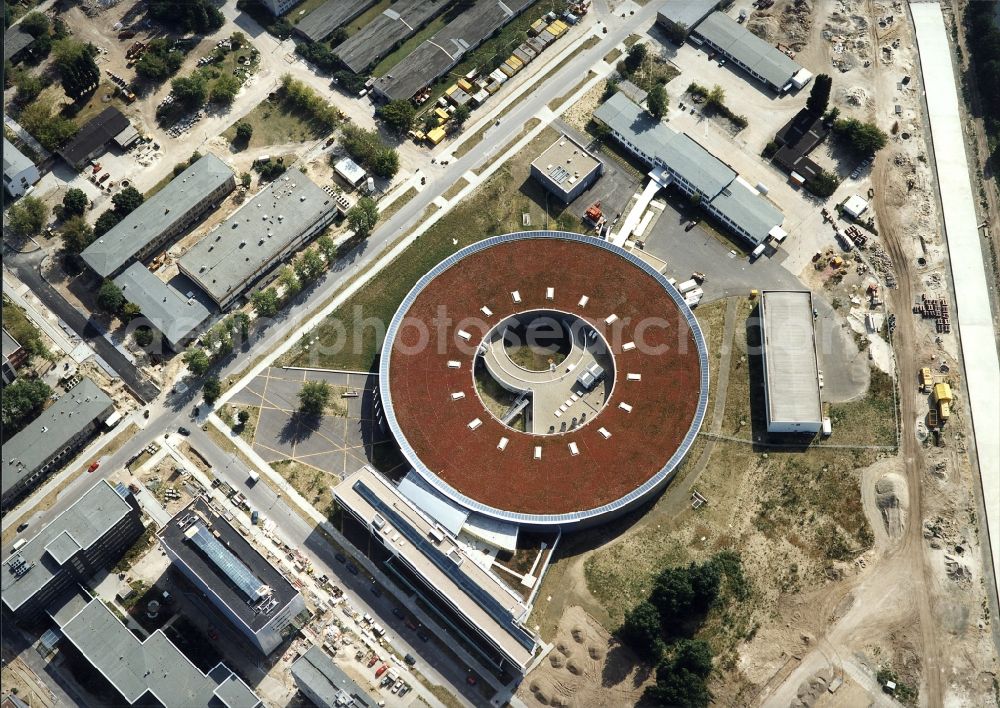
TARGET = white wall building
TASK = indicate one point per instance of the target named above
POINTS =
(19, 173)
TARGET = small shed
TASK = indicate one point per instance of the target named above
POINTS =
(855, 206)
(350, 171)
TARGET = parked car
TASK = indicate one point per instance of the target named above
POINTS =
(399, 613)
(372, 661)
(94, 465)
(381, 670)
(22, 527)
(183, 431)
(340, 557)
(254, 516)
(471, 680)
(410, 659)
(423, 636)
(376, 590)
(352, 569)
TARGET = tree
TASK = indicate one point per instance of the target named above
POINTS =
(48, 129)
(265, 302)
(681, 679)
(313, 398)
(819, 96)
(716, 98)
(237, 39)
(385, 163)
(189, 16)
(76, 235)
(143, 336)
(241, 323)
(78, 71)
(159, 60)
(862, 138)
(127, 201)
(824, 184)
(36, 24)
(244, 131)
(461, 115)
(197, 360)
(28, 85)
(290, 280)
(246, 179)
(190, 91)
(327, 247)
(309, 266)
(20, 402)
(105, 222)
(641, 630)
(657, 101)
(130, 311)
(27, 217)
(363, 216)
(74, 203)
(109, 297)
(397, 115)
(636, 55)
(679, 593)
(212, 389)
(243, 417)
(225, 89)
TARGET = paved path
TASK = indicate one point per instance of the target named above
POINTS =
(969, 278)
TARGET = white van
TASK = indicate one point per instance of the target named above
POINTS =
(19, 544)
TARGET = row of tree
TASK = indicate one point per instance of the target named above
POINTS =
(304, 100)
(368, 149)
(983, 38)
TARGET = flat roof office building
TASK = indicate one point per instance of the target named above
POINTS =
(152, 671)
(426, 561)
(693, 169)
(281, 218)
(176, 316)
(792, 395)
(566, 169)
(236, 578)
(48, 441)
(164, 217)
(92, 533)
(320, 680)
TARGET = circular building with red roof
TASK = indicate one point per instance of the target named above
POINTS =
(547, 379)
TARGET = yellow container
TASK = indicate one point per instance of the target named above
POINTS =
(515, 63)
(464, 85)
(450, 90)
(442, 115)
(942, 393)
(436, 135)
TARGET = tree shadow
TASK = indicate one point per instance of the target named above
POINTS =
(620, 662)
(299, 427)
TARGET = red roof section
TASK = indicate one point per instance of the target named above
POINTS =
(663, 402)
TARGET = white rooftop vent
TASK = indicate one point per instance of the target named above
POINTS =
(486, 311)
(502, 445)
(625, 407)
(550, 293)
(628, 346)
(454, 364)
(573, 449)
(464, 335)
(458, 395)
(583, 301)
(604, 433)
(538, 452)
(611, 319)
(516, 296)
(634, 377)
(475, 423)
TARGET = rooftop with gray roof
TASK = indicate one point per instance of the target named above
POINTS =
(14, 161)
(154, 667)
(52, 430)
(324, 682)
(260, 231)
(161, 212)
(15, 40)
(746, 48)
(686, 13)
(167, 309)
(81, 525)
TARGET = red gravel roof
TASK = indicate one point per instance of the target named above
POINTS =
(663, 402)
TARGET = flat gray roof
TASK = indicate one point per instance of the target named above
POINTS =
(154, 666)
(85, 521)
(565, 162)
(746, 207)
(14, 161)
(707, 173)
(322, 21)
(324, 680)
(380, 36)
(52, 430)
(447, 46)
(255, 234)
(167, 309)
(789, 342)
(686, 12)
(747, 48)
(15, 40)
(159, 213)
(10, 345)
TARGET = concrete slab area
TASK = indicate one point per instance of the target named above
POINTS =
(975, 321)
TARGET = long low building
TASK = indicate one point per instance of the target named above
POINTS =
(109, 126)
(693, 169)
(324, 683)
(424, 559)
(447, 46)
(161, 218)
(151, 671)
(235, 255)
(329, 17)
(792, 396)
(174, 315)
(89, 536)
(395, 25)
(48, 441)
(242, 584)
(765, 63)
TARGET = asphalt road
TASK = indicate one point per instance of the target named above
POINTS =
(26, 266)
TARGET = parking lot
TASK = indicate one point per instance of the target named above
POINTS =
(337, 443)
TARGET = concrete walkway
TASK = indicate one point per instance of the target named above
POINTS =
(969, 278)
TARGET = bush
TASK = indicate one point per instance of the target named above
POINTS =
(823, 184)
(272, 169)
(301, 98)
(398, 115)
(367, 148)
(159, 61)
(313, 398)
(110, 298)
(143, 336)
(197, 16)
(865, 139)
(27, 217)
